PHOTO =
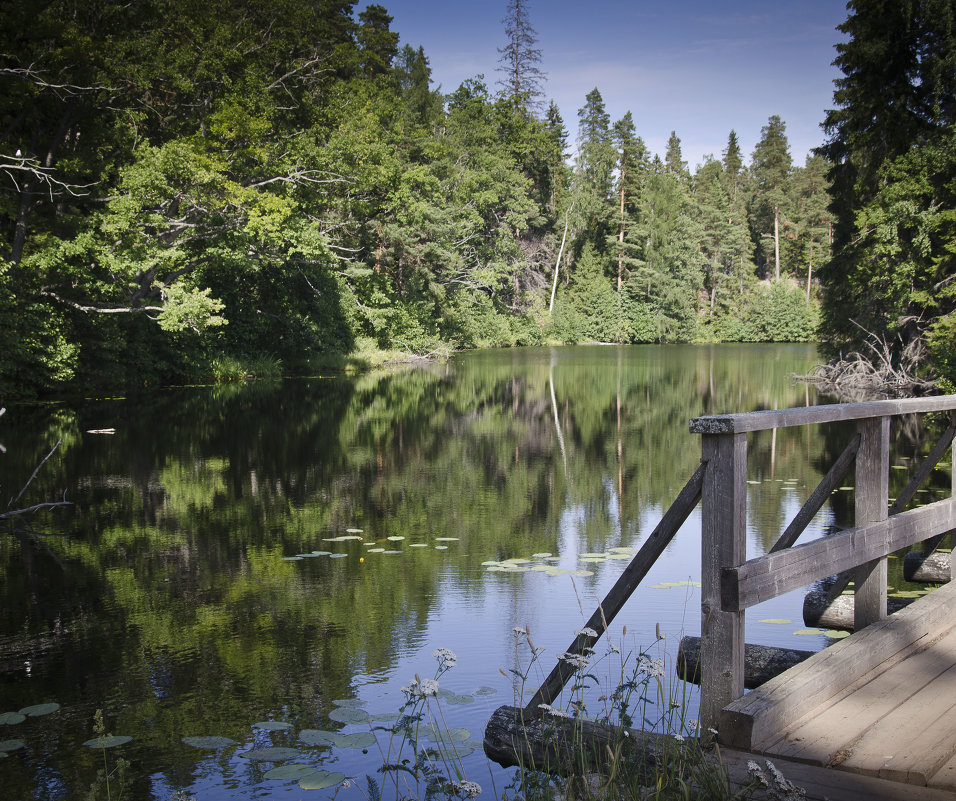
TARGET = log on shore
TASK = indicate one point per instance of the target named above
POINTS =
(761, 662)
(538, 741)
(933, 568)
(818, 610)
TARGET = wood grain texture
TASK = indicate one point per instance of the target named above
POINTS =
(785, 418)
(723, 544)
(773, 574)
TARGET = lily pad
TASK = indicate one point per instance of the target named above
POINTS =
(337, 555)
(458, 735)
(353, 702)
(582, 572)
(291, 558)
(441, 547)
(557, 571)
(108, 742)
(621, 556)
(601, 558)
(345, 714)
(836, 634)
(272, 725)
(621, 549)
(12, 718)
(517, 560)
(309, 555)
(375, 550)
(388, 552)
(593, 556)
(460, 700)
(395, 539)
(320, 780)
(11, 745)
(321, 553)
(210, 742)
(485, 691)
(418, 545)
(543, 555)
(38, 710)
(360, 739)
(809, 632)
(490, 563)
(384, 716)
(294, 771)
(353, 531)
(777, 620)
(319, 737)
(447, 539)
(274, 754)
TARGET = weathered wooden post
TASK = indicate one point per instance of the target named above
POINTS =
(724, 544)
(872, 490)
(952, 554)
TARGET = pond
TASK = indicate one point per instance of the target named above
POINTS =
(270, 564)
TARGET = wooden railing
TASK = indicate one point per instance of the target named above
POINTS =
(731, 583)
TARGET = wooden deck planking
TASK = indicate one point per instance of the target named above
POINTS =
(897, 721)
(829, 735)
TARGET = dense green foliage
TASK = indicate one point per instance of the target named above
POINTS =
(892, 145)
(190, 185)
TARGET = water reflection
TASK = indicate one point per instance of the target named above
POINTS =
(166, 596)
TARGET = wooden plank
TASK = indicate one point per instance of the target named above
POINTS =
(761, 716)
(829, 737)
(945, 777)
(818, 497)
(723, 544)
(823, 784)
(872, 489)
(911, 741)
(806, 415)
(773, 574)
(625, 585)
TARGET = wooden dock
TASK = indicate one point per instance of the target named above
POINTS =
(871, 716)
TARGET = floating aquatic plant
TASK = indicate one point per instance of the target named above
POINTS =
(272, 725)
(110, 741)
(320, 780)
(12, 718)
(210, 742)
(38, 710)
(294, 771)
(345, 714)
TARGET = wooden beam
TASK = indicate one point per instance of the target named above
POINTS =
(806, 415)
(723, 545)
(872, 491)
(761, 662)
(625, 585)
(773, 574)
(818, 497)
(903, 499)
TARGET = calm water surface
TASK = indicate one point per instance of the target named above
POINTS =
(183, 594)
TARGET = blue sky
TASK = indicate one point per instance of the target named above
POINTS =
(696, 67)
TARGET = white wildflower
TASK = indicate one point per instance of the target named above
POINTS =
(520, 630)
(679, 738)
(693, 725)
(466, 789)
(587, 631)
(575, 660)
(613, 647)
(421, 688)
(445, 656)
(651, 667)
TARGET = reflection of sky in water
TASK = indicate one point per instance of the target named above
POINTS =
(215, 632)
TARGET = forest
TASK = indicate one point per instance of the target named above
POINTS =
(195, 192)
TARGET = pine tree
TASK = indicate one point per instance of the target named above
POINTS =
(518, 63)
(594, 168)
(890, 147)
(631, 170)
(771, 165)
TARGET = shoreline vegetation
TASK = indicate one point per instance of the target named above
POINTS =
(296, 187)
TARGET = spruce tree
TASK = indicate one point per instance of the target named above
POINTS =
(519, 60)
(890, 147)
(771, 166)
